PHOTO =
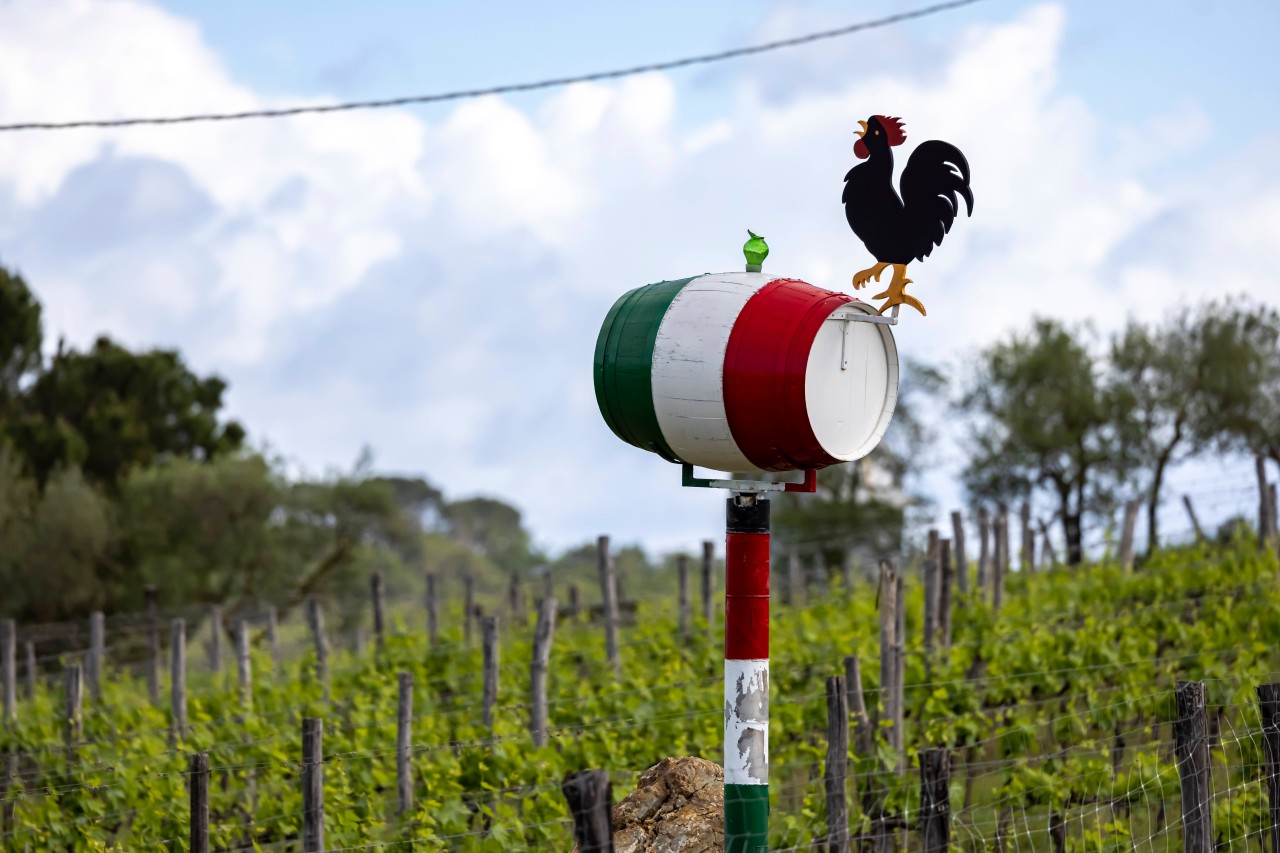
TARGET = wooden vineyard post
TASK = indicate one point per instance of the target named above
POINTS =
(32, 668)
(312, 785)
(609, 598)
(945, 577)
(1191, 744)
(1273, 507)
(1127, 532)
(74, 702)
(795, 579)
(515, 599)
(984, 551)
(1269, 710)
(468, 606)
(9, 655)
(244, 665)
(935, 800)
(1028, 538)
(864, 745)
(152, 596)
(543, 633)
(589, 795)
(746, 673)
(199, 782)
(962, 558)
(178, 681)
(379, 611)
(575, 608)
(1191, 516)
(1266, 513)
(273, 639)
(315, 616)
(1002, 558)
(708, 572)
(1002, 829)
(97, 652)
(215, 640)
(888, 643)
(404, 743)
(900, 674)
(686, 607)
(433, 609)
(489, 630)
(836, 770)
(931, 595)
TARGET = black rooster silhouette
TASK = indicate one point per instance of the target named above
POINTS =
(898, 229)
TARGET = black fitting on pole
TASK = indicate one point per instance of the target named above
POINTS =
(747, 513)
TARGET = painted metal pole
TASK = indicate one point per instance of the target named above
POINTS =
(746, 674)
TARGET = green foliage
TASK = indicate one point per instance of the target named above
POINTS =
(1045, 418)
(491, 527)
(1243, 396)
(20, 338)
(1051, 415)
(1058, 708)
(52, 544)
(1200, 377)
(109, 411)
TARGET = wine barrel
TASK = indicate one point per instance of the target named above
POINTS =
(745, 371)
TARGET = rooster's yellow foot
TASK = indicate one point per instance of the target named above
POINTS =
(896, 293)
(860, 279)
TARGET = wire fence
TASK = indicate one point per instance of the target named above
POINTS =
(1076, 751)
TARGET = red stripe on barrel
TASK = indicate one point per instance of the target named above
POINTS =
(764, 374)
(746, 596)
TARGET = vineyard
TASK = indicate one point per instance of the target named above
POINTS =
(1057, 712)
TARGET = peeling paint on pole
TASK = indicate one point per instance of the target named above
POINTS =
(746, 722)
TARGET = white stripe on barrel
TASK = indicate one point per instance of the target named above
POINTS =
(688, 368)
(746, 722)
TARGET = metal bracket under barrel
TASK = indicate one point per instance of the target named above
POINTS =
(847, 317)
(808, 485)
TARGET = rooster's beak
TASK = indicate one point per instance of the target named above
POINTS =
(864, 129)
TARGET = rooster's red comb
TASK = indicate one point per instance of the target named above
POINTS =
(893, 129)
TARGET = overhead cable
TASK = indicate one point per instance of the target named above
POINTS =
(462, 94)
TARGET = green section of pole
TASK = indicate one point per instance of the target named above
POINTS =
(624, 365)
(746, 818)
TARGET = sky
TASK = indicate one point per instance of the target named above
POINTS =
(429, 281)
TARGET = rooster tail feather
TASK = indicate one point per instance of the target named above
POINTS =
(936, 177)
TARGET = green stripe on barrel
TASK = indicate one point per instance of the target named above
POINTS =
(624, 364)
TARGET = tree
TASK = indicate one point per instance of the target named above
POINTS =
(491, 528)
(53, 543)
(20, 339)
(1159, 376)
(109, 410)
(233, 531)
(1043, 418)
(1242, 398)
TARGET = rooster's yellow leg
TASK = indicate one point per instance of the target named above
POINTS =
(860, 279)
(896, 291)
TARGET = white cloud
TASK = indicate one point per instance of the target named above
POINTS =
(431, 282)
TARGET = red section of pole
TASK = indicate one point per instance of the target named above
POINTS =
(746, 596)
